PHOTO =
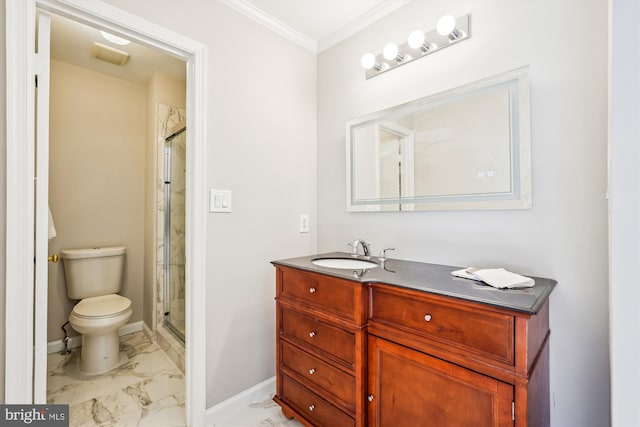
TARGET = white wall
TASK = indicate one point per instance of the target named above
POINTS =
(262, 146)
(564, 235)
(262, 142)
(624, 205)
(3, 194)
(96, 178)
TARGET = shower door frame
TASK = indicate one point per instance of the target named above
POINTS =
(168, 177)
(21, 120)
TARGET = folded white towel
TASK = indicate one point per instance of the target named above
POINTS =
(496, 277)
(52, 227)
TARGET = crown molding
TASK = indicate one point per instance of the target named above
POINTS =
(372, 16)
(262, 18)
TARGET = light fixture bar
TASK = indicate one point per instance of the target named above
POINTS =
(433, 41)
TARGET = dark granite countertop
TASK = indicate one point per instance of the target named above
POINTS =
(432, 278)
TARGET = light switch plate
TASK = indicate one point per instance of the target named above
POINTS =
(219, 200)
(304, 223)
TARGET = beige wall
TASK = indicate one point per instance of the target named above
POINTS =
(261, 145)
(161, 89)
(564, 236)
(97, 172)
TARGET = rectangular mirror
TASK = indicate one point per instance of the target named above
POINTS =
(465, 148)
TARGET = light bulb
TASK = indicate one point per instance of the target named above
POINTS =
(114, 39)
(416, 39)
(390, 51)
(368, 61)
(446, 25)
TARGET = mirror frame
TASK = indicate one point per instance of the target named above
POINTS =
(520, 195)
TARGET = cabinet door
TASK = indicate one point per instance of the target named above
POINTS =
(409, 388)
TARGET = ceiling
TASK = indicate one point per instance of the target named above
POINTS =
(71, 43)
(314, 24)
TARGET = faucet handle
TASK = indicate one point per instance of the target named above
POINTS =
(383, 254)
(354, 245)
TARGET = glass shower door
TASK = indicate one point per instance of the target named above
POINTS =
(174, 228)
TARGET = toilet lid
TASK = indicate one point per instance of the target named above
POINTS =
(102, 306)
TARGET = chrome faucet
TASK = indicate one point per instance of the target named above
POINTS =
(365, 248)
(383, 255)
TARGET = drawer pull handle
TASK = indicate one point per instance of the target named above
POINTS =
(312, 290)
(312, 334)
(427, 317)
(312, 407)
(370, 398)
(312, 371)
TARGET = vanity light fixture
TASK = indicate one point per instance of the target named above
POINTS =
(449, 31)
(416, 40)
(447, 27)
(391, 52)
(369, 62)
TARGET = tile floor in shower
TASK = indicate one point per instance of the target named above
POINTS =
(147, 391)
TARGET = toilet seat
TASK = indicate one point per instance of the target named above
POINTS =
(101, 307)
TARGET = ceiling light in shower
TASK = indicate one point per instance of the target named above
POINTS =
(115, 39)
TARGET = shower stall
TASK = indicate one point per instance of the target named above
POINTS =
(174, 230)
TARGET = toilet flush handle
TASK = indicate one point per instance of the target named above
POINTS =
(53, 258)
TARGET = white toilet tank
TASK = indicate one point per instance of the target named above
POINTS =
(93, 272)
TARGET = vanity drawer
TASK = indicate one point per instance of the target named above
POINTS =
(329, 293)
(333, 380)
(329, 339)
(481, 331)
(313, 407)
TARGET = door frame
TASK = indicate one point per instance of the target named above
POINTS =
(20, 149)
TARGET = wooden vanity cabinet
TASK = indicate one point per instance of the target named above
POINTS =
(320, 348)
(442, 361)
(370, 354)
(410, 388)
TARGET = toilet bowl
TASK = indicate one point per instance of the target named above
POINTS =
(93, 277)
(98, 320)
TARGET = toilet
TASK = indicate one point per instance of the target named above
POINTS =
(94, 277)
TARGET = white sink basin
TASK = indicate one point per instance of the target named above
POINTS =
(346, 263)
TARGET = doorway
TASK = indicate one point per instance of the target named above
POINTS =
(23, 378)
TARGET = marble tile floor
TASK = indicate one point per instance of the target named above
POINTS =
(146, 391)
(261, 414)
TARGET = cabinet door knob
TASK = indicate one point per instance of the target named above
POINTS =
(312, 290)
(312, 371)
(427, 317)
(312, 334)
(370, 398)
(312, 407)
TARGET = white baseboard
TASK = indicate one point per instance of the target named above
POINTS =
(76, 341)
(148, 332)
(131, 328)
(58, 346)
(241, 400)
